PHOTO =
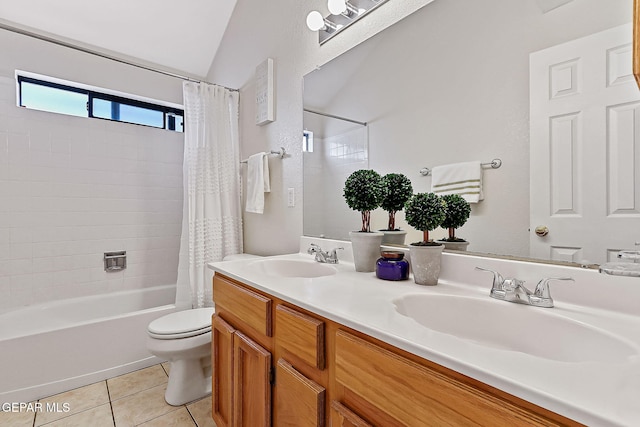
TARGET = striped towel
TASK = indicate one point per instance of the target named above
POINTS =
(464, 179)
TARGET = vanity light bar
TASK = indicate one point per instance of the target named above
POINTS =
(356, 9)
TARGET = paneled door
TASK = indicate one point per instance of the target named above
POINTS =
(584, 149)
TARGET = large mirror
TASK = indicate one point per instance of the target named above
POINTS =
(451, 83)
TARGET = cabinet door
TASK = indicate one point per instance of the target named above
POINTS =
(252, 388)
(299, 401)
(222, 372)
(341, 416)
(415, 395)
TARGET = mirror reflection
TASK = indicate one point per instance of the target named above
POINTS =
(460, 81)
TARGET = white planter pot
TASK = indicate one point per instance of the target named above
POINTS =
(456, 246)
(366, 250)
(395, 237)
(425, 264)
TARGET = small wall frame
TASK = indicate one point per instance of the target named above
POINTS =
(265, 103)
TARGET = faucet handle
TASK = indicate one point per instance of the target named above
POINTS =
(498, 288)
(313, 248)
(333, 257)
(542, 288)
(498, 280)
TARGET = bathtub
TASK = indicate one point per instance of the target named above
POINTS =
(53, 347)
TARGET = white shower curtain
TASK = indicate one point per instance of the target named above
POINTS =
(212, 215)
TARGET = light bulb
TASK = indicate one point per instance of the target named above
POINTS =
(336, 7)
(315, 21)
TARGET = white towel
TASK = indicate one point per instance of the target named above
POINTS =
(257, 182)
(464, 179)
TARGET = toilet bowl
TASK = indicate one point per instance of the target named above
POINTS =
(184, 339)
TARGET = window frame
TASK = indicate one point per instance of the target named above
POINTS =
(168, 112)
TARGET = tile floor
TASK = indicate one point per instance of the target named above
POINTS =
(134, 399)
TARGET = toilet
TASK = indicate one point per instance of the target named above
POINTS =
(184, 339)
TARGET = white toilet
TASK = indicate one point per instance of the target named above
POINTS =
(184, 339)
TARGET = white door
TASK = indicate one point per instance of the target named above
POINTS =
(585, 148)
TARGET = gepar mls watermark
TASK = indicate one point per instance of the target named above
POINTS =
(16, 407)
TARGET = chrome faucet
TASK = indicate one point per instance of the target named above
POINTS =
(513, 290)
(322, 256)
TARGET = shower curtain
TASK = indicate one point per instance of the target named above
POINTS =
(212, 215)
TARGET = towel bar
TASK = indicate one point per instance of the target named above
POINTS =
(280, 154)
(494, 164)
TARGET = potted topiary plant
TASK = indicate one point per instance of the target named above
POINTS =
(363, 192)
(425, 212)
(397, 190)
(457, 214)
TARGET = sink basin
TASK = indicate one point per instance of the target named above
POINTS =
(293, 268)
(514, 327)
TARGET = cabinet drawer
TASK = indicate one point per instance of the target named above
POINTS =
(301, 335)
(299, 401)
(416, 395)
(254, 309)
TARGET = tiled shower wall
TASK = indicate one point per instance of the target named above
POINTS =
(73, 188)
(326, 169)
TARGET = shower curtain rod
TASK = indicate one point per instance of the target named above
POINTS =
(42, 37)
(334, 117)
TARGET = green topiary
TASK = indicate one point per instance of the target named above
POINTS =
(457, 214)
(397, 190)
(425, 212)
(363, 191)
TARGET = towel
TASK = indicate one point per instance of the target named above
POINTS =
(464, 179)
(257, 182)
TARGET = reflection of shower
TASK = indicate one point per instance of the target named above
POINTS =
(306, 110)
(340, 147)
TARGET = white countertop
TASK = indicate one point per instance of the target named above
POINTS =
(593, 393)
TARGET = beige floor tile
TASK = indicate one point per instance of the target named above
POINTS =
(96, 417)
(134, 382)
(201, 412)
(78, 400)
(17, 418)
(177, 418)
(141, 407)
(167, 367)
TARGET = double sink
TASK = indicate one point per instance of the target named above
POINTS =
(538, 332)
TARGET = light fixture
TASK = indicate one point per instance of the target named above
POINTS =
(336, 7)
(316, 22)
(343, 14)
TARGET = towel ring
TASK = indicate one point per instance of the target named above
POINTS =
(494, 164)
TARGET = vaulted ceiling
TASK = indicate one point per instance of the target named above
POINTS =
(178, 36)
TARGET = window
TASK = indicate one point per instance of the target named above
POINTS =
(61, 98)
(307, 141)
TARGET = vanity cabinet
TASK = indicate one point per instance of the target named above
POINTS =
(327, 374)
(240, 356)
(380, 384)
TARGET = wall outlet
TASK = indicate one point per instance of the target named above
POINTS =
(291, 197)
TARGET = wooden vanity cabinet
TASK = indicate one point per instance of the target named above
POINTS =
(329, 375)
(240, 356)
(378, 383)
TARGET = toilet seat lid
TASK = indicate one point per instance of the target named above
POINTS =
(182, 324)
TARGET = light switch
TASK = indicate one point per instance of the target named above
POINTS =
(291, 197)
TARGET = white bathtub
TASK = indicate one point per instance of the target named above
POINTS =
(49, 348)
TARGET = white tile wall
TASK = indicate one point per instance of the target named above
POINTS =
(73, 188)
(326, 169)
